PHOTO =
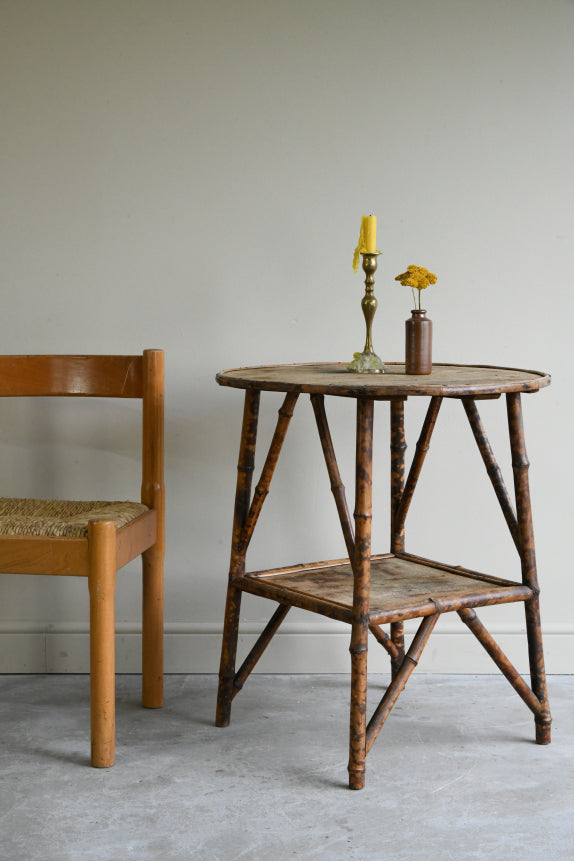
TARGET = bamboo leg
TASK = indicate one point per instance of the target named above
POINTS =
(470, 619)
(262, 642)
(101, 584)
(337, 486)
(361, 587)
(492, 467)
(398, 640)
(401, 677)
(398, 448)
(153, 495)
(237, 563)
(520, 467)
(416, 466)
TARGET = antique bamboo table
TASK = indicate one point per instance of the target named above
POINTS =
(368, 591)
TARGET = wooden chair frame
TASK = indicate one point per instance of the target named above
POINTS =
(106, 549)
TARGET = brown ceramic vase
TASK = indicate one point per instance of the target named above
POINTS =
(418, 343)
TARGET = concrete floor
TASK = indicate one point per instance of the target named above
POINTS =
(454, 774)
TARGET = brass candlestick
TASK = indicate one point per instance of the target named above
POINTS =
(368, 362)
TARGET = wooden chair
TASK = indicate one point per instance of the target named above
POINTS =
(96, 539)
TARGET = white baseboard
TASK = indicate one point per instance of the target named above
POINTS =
(296, 648)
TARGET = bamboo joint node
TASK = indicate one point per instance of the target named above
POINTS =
(521, 463)
(441, 606)
(358, 650)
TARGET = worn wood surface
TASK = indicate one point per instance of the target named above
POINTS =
(400, 588)
(334, 379)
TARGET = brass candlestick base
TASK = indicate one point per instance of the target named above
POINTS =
(368, 362)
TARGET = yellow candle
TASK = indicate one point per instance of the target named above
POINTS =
(369, 224)
(367, 238)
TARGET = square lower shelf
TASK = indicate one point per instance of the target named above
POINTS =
(402, 587)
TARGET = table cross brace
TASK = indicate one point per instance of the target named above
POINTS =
(472, 621)
(400, 679)
(416, 466)
(260, 645)
(262, 489)
(337, 486)
(385, 641)
(492, 467)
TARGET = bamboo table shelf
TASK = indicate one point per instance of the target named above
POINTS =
(369, 591)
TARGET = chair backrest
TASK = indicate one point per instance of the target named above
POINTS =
(88, 376)
(105, 377)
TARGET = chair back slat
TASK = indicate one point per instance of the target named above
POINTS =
(89, 376)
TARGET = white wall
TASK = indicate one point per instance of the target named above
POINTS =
(191, 175)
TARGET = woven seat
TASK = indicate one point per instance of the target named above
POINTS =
(58, 518)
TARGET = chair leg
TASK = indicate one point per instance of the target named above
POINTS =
(102, 583)
(152, 629)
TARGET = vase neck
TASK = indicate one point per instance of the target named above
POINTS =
(417, 315)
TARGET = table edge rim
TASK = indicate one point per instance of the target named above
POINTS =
(542, 380)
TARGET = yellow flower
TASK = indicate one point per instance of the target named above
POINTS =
(418, 278)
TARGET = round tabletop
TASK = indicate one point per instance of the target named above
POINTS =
(333, 379)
